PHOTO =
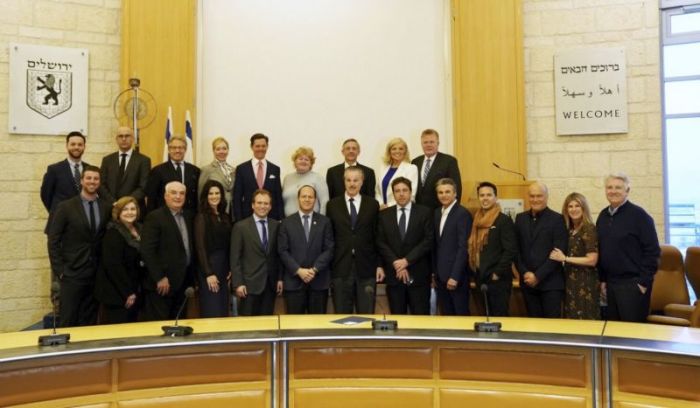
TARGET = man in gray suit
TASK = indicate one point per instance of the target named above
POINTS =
(124, 172)
(254, 259)
(306, 251)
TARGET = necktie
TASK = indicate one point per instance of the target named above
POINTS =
(402, 223)
(76, 176)
(93, 227)
(426, 170)
(264, 235)
(122, 166)
(180, 221)
(260, 176)
(353, 213)
(306, 227)
(178, 170)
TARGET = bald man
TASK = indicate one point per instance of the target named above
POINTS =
(124, 172)
(539, 231)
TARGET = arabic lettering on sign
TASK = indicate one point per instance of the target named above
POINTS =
(601, 91)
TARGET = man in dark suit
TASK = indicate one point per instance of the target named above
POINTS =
(124, 172)
(452, 225)
(433, 166)
(305, 245)
(356, 269)
(254, 259)
(175, 169)
(167, 249)
(62, 179)
(257, 174)
(335, 175)
(493, 247)
(75, 236)
(539, 231)
(404, 240)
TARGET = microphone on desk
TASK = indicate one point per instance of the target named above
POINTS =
(381, 325)
(54, 339)
(177, 330)
(487, 326)
(508, 170)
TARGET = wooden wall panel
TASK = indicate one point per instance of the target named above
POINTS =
(454, 398)
(668, 378)
(488, 90)
(248, 399)
(159, 47)
(354, 397)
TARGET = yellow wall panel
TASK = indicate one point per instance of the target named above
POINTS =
(452, 398)
(362, 397)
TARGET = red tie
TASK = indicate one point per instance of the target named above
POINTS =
(260, 176)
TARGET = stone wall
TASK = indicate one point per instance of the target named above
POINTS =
(91, 24)
(579, 163)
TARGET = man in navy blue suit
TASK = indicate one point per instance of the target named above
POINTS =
(539, 231)
(453, 224)
(255, 175)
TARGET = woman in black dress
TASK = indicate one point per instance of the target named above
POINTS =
(582, 299)
(117, 284)
(212, 237)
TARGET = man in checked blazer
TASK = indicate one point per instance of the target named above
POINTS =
(254, 259)
(75, 236)
(257, 174)
(356, 269)
(174, 169)
(124, 172)
(404, 240)
(305, 245)
(437, 166)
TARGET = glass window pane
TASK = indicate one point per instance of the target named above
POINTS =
(683, 166)
(682, 60)
(682, 97)
(685, 23)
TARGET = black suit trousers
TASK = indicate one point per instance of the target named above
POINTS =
(542, 303)
(306, 300)
(627, 303)
(262, 304)
(352, 294)
(78, 304)
(157, 307)
(453, 302)
(403, 298)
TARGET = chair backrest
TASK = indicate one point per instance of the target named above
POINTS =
(669, 281)
(692, 269)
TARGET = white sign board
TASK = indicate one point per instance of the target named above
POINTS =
(48, 89)
(590, 87)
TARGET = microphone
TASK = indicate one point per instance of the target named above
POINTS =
(54, 339)
(177, 330)
(487, 326)
(381, 325)
(509, 171)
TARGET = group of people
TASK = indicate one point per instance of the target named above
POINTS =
(244, 230)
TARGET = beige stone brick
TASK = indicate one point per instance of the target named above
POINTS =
(551, 165)
(14, 206)
(568, 21)
(42, 33)
(636, 89)
(51, 14)
(104, 57)
(541, 59)
(634, 163)
(14, 246)
(16, 11)
(544, 94)
(98, 19)
(529, 6)
(619, 17)
(88, 38)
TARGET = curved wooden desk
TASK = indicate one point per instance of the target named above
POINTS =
(307, 361)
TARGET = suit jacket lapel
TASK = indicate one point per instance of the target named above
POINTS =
(173, 224)
(253, 230)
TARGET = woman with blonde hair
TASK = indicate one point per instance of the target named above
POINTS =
(582, 298)
(219, 170)
(396, 164)
(117, 285)
(303, 159)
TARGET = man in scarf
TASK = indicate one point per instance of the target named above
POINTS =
(492, 249)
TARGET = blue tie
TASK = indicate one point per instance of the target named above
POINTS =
(264, 235)
(402, 223)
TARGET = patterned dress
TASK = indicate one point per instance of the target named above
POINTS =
(582, 299)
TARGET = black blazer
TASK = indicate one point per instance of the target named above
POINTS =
(354, 246)
(163, 250)
(415, 246)
(134, 181)
(443, 166)
(251, 265)
(500, 251)
(245, 185)
(296, 253)
(336, 182)
(73, 249)
(450, 255)
(58, 185)
(536, 241)
(163, 174)
(120, 270)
